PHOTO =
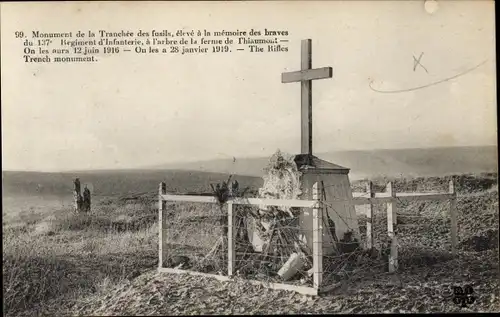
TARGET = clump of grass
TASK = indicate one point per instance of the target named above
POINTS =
(38, 271)
(82, 221)
(33, 274)
(50, 261)
(193, 231)
(108, 218)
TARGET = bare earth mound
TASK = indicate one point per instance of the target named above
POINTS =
(428, 291)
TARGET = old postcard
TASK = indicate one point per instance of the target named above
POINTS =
(249, 157)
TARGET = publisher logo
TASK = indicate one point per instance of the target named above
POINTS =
(463, 296)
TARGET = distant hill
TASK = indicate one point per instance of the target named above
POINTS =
(197, 177)
(115, 183)
(373, 163)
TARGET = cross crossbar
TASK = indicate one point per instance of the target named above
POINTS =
(308, 74)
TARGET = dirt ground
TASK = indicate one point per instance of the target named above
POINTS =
(427, 290)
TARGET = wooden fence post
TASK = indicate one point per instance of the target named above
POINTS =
(86, 204)
(392, 222)
(317, 238)
(453, 216)
(77, 195)
(369, 215)
(231, 260)
(162, 214)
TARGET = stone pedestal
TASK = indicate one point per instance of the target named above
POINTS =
(337, 195)
(338, 212)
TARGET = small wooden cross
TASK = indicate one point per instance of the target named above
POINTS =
(305, 77)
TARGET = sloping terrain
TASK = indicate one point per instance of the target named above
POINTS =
(373, 163)
(114, 183)
(58, 263)
(424, 284)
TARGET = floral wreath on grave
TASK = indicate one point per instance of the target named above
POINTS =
(282, 180)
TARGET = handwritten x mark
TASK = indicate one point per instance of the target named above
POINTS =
(416, 62)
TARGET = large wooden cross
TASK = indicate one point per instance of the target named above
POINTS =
(305, 77)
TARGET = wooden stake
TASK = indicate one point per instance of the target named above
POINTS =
(86, 204)
(317, 238)
(77, 195)
(453, 216)
(231, 260)
(391, 228)
(369, 215)
(162, 220)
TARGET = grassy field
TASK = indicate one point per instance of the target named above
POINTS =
(56, 262)
(114, 184)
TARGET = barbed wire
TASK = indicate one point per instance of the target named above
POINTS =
(200, 234)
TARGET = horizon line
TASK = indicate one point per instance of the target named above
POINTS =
(154, 167)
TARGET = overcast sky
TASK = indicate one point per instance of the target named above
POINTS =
(136, 110)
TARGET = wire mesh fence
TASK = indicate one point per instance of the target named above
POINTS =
(424, 233)
(349, 258)
(316, 246)
(195, 237)
(271, 249)
(423, 229)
